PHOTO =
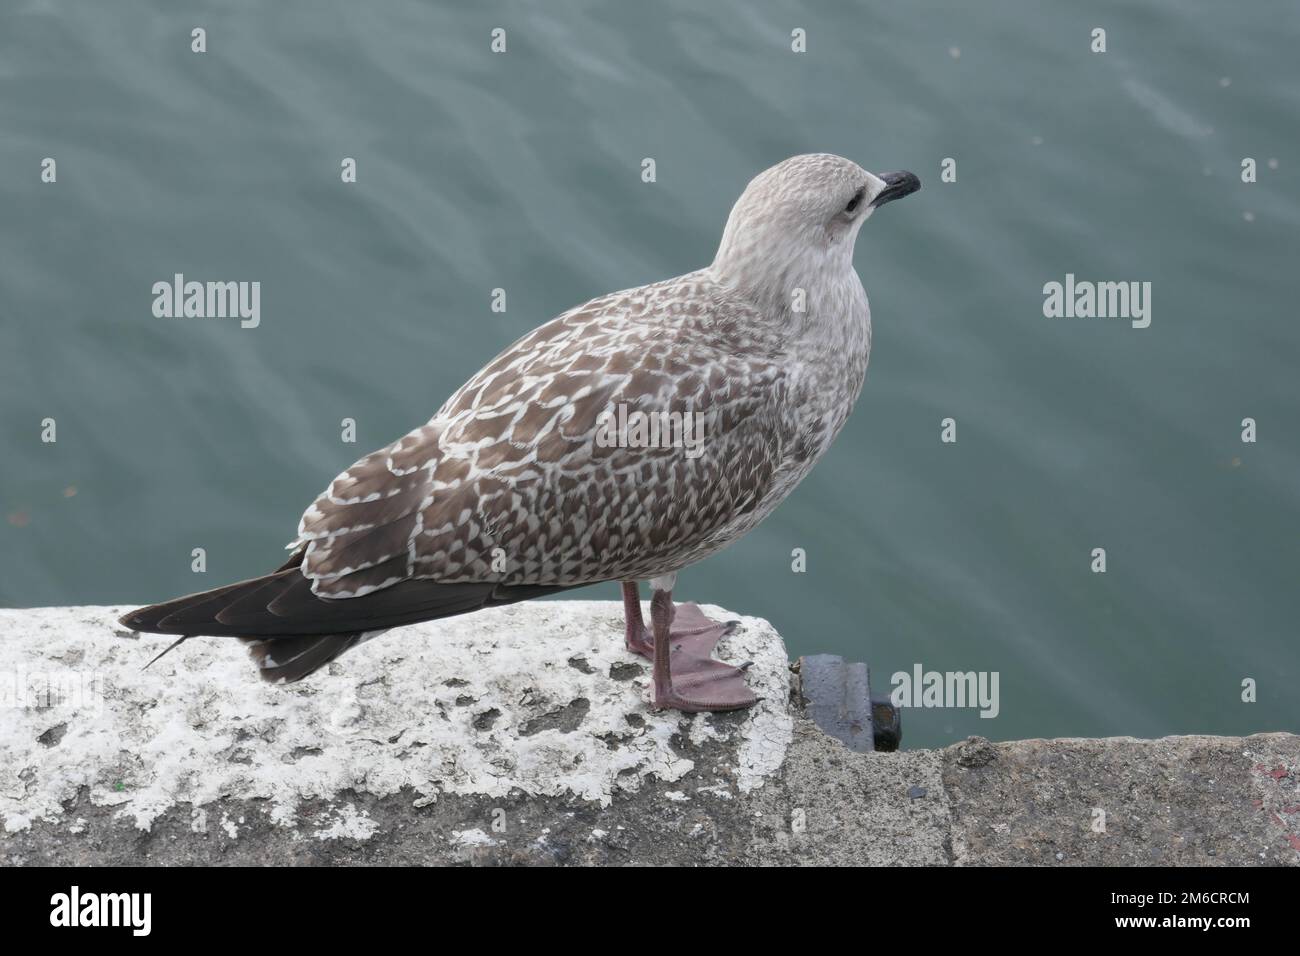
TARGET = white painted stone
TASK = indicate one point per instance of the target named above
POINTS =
(346, 823)
(399, 711)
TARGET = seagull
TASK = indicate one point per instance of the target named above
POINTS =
(534, 478)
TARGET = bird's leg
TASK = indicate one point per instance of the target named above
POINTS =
(688, 622)
(635, 637)
(686, 677)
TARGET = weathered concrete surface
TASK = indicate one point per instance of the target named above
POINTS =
(524, 736)
(539, 699)
(1173, 801)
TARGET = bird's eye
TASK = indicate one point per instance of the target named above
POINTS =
(857, 198)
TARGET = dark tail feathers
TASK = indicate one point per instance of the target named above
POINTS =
(292, 632)
(290, 659)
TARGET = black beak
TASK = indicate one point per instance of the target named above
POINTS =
(897, 185)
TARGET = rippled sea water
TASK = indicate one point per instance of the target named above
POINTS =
(522, 171)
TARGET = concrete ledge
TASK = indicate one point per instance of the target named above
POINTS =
(523, 735)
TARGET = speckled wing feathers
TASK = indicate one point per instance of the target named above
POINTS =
(507, 483)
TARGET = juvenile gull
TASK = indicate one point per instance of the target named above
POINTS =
(513, 489)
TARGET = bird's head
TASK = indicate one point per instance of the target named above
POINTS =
(803, 215)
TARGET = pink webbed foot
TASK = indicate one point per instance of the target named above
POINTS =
(690, 679)
(700, 683)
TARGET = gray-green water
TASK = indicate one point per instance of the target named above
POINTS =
(522, 171)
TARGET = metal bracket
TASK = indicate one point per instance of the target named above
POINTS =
(836, 696)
